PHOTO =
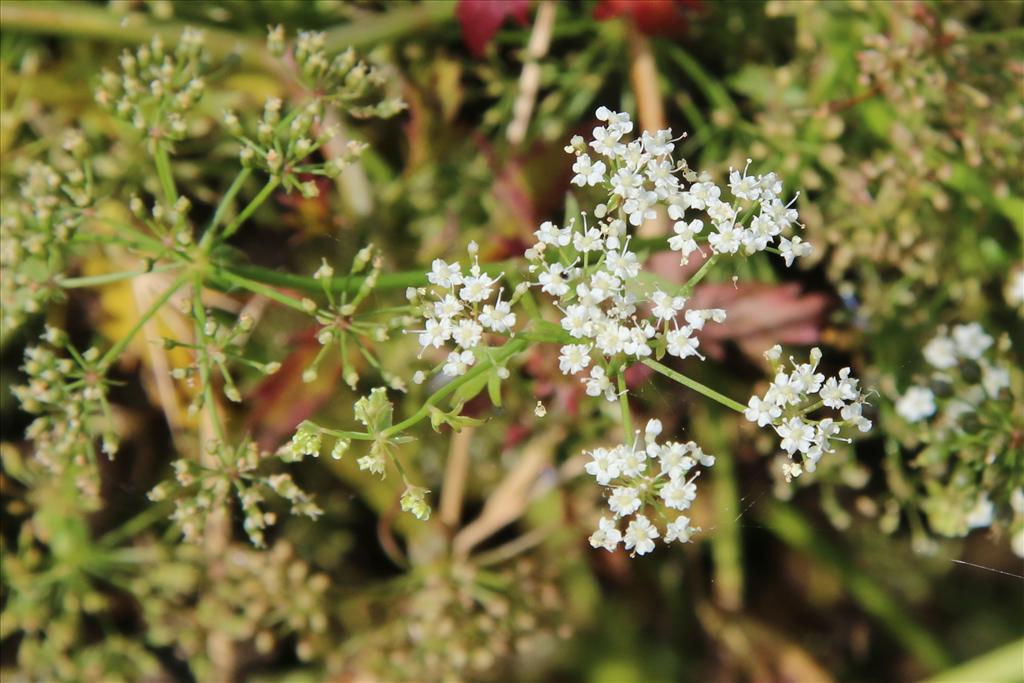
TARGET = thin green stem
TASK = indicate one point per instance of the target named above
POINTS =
(163, 170)
(107, 278)
(151, 515)
(256, 202)
(263, 290)
(114, 351)
(204, 367)
(505, 352)
(345, 284)
(699, 275)
(222, 207)
(695, 385)
(627, 422)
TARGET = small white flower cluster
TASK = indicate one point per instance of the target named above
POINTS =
(459, 308)
(610, 312)
(793, 396)
(642, 174)
(647, 480)
(964, 347)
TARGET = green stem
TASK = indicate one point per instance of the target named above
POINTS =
(263, 290)
(163, 170)
(204, 368)
(151, 515)
(222, 207)
(503, 353)
(107, 278)
(114, 351)
(256, 202)
(627, 423)
(699, 275)
(348, 284)
(695, 385)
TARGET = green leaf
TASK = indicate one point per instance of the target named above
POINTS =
(374, 411)
(470, 389)
(494, 389)
(439, 417)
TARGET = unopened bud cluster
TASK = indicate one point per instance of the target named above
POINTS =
(240, 474)
(38, 218)
(157, 85)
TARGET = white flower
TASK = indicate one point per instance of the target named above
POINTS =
(994, 378)
(623, 264)
(852, 413)
(678, 494)
(727, 240)
(590, 240)
(578, 320)
(971, 340)
(574, 358)
(681, 344)
(618, 120)
(606, 536)
(553, 281)
(744, 186)
(940, 352)
(603, 465)
(625, 500)
(665, 306)
(640, 207)
(762, 412)
(632, 462)
(793, 249)
(679, 530)
(640, 535)
(549, 233)
(701, 194)
(606, 141)
(796, 435)
(587, 172)
(435, 333)
(598, 383)
(498, 317)
(476, 288)
(917, 404)
(444, 274)
(684, 240)
(458, 363)
(658, 144)
(467, 333)
(447, 308)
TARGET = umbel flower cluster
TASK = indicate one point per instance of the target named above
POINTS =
(791, 400)
(612, 314)
(651, 482)
(959, 352)
(966, 415)
(458, 308)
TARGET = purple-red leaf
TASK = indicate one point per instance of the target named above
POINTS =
(481, 19)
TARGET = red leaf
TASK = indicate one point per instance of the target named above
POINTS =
(760, 315)
(653, 17)
(481, 19)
